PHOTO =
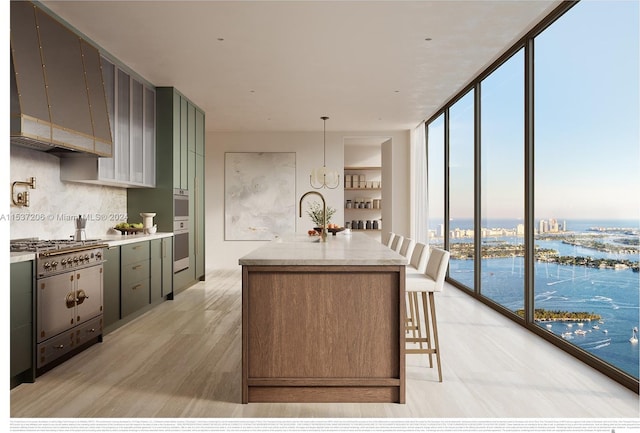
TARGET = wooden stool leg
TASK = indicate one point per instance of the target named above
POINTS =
(427, 326)
(410, 321)
(435, 333)
(416, 307)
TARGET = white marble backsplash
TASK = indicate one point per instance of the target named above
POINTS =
(54, 204)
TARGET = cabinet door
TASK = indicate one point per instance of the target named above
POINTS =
(156, 269)
(177, 134)
(106, 166)
(184, 178)
(192, 215)
(167, 266)
(111, 286)
(149, 149)
(200, 132)
(21, 304)
(123, 133)
(136, 144)
(199, 212)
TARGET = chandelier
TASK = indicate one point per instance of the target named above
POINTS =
(322, 177)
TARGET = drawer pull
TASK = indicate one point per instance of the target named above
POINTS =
(61, 346)
(137, 286)
(136, 267)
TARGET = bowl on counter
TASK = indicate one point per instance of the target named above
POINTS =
(151, 230)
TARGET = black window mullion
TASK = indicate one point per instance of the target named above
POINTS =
(477, 214)
(529, 174)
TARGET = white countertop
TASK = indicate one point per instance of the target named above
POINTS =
(111, 240)
(356, 249)
(117, 240)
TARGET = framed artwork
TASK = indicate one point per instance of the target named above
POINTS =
(259, 195)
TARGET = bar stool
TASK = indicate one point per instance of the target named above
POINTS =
(397, 243)
(406, 249)
(426, 285)
(417, 265)
(392, 236)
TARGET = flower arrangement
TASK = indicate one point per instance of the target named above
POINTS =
(316, 214)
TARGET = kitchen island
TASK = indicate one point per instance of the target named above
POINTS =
(323, 322)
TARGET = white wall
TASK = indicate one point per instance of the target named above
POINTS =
(55, 204)
(308, 148)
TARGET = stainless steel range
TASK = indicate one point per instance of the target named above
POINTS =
(68, 297)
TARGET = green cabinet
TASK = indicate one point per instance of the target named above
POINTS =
(167, 267)
(161, 268)
(180, 164)
(134, 277)
(111, 286)
(21, 323)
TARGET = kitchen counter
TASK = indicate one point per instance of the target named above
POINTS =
(356, 249)
(22, 256)
(323, 322)
(111, 240)
(116, 240)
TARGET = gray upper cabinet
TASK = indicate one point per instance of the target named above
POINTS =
(131, 105)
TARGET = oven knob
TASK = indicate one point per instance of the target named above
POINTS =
(54, 265)
(47, 265)
(63, 262)
(75, 259)
(98, 255)
(81, 258)
(86, 257)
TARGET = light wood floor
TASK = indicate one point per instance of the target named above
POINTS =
(183, 359)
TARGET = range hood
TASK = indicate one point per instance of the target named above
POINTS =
(58, 100)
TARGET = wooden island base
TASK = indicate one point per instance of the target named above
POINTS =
(323, 333)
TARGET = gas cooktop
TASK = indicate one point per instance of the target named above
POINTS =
(40, 245)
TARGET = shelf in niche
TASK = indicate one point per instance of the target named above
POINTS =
(362, 168)
(362, 208)
(363, 189)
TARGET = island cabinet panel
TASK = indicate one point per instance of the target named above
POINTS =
(323, 334)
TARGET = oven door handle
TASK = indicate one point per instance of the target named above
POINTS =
(81, 295)
(70, 300)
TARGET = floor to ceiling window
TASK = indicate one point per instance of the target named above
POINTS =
(502, 183)
(587, 180)
(461, 190)
(557, 181)
(435, 173)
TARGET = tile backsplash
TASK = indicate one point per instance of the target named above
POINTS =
(54, 204)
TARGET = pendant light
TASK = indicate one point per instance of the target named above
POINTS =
(322, 177)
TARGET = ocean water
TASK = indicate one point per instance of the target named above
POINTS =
(613, 294)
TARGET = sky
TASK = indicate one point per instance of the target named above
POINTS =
(587, 141)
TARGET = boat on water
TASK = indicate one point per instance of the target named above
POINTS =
(596, 327)
(580, 324)
(566, 334)
(548, 325)
(580, 332)
(634, 335)
(605, 331)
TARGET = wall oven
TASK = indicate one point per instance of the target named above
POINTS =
(180, 205)
(180, 245)
(180, 229)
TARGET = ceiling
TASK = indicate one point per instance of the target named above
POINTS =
(280, 65)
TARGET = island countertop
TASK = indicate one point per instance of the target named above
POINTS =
(356, 249)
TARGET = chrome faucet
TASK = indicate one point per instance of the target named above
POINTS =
(323, 235)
